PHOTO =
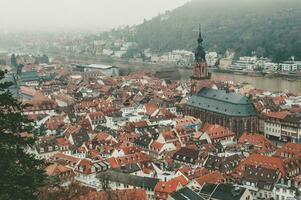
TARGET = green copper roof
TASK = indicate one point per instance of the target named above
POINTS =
(223, 102)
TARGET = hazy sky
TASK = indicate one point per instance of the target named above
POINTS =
(79, 14)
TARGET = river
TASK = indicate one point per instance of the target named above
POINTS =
(270, 84)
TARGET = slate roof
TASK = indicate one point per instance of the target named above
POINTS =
(223, 102)
(14, 88)
(143, 141)
(29, 76)
(223, 191)
(80, 137)
(263, 177)
(186, 194)
(186, 155)
(138, 181)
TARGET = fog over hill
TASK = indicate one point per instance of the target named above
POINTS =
(269, 27)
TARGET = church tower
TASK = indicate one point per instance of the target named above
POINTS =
(200, 70)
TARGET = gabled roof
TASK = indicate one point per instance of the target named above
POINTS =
(263, 161)
(56, 169)
(170, 185)
(157, 146)
(264, 177)
(216, 131)
(288, 150)
(150, 108)
(213, 177)
(261, 144)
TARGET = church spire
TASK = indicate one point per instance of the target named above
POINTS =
(200, 53)
(200, 39)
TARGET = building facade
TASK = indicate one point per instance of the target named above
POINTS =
(228, 109)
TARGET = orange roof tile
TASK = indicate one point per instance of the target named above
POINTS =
(288, 149)
(263, 161)
(213, 177)
(157, 146)
(277, 115)
(216, 131)
(259, 141)
(150, 108)
(170, 185)
(56, 169)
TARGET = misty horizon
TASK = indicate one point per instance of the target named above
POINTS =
(77, 15)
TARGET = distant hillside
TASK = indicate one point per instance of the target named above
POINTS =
(270, 27)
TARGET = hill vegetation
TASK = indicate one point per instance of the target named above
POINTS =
(270, 28)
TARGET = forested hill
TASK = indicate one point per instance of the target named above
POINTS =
(269, 27)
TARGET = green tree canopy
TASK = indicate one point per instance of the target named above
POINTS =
(21, 173)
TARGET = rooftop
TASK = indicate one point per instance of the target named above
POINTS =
(221, 101)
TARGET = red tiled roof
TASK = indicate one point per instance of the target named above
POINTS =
(86, 165)
(277, 115)
(171, 185)
(102, 136)
(150, 108)
(128, 159)
(95, 115)
(263, 161)
(55, 122)
(187, 120)
(288, 150)
(157, 146)
(56, 169)
(62, 142)
(61, 156)
(70, 130)
(216, 131)
(213, 177)
(258, 141)
(191, 173)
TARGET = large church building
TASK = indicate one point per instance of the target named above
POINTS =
(222, 107)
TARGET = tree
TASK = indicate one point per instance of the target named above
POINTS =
(21, 173)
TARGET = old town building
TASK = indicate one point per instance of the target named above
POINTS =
(225, 108)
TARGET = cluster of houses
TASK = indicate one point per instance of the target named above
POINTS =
(254, 63)
(113, 133)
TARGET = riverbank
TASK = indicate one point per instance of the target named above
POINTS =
(261, 82)
(287, 76)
